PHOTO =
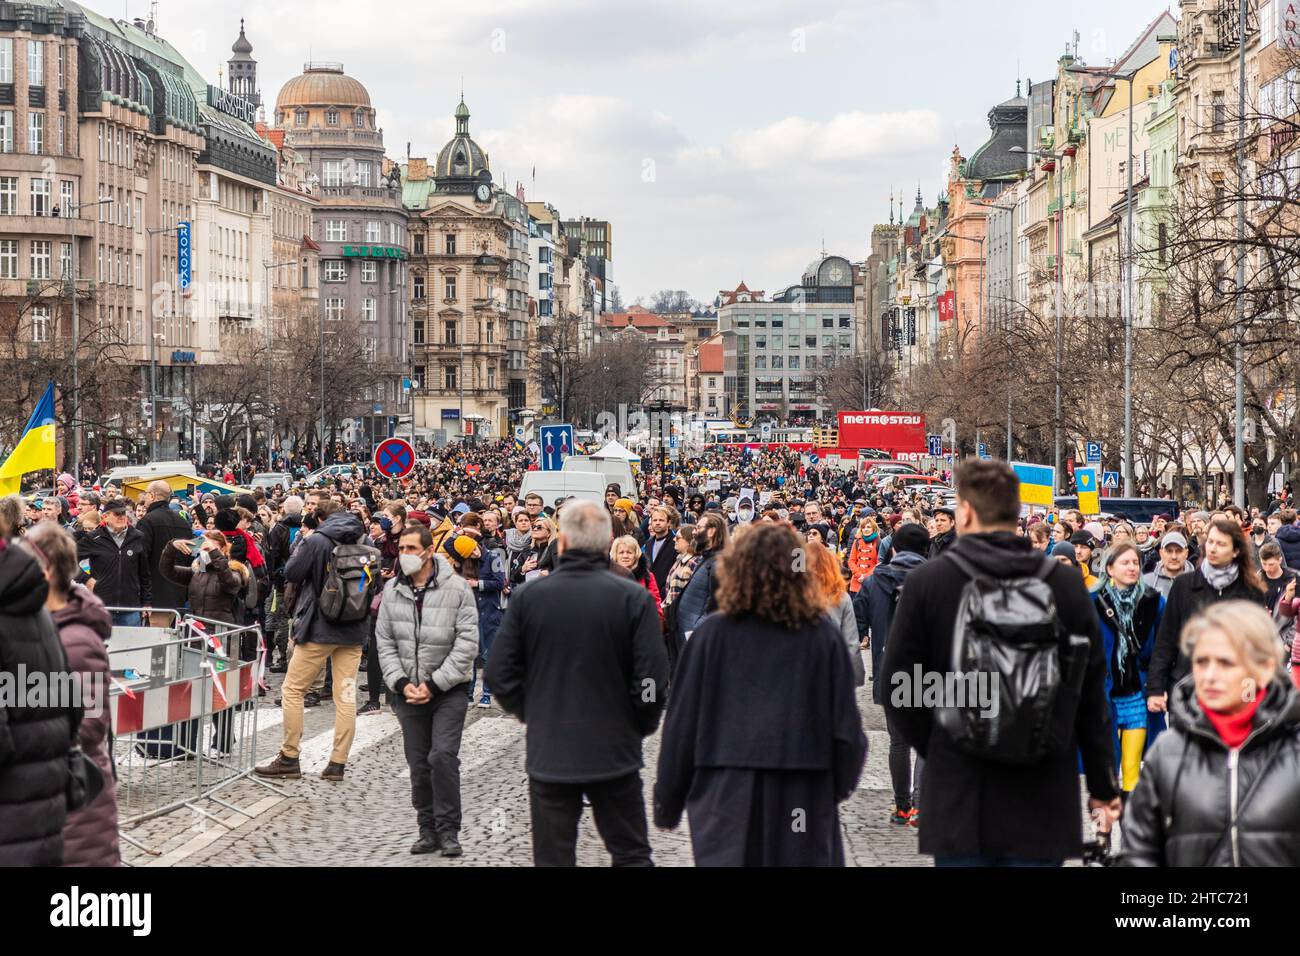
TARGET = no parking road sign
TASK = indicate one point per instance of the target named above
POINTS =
(394, 458)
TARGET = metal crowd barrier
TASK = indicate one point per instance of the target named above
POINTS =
(184, 715)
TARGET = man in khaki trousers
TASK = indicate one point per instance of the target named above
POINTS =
(315, 641)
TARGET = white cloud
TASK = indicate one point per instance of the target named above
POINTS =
(796, 142)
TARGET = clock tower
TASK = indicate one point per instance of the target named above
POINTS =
(462, 167)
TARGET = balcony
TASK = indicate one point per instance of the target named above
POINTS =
(234, 310)
(300, 136)
(364, 193)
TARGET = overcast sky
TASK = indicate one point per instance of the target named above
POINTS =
(724, 140)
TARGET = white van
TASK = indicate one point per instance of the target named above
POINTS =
(584, 485)
(155, 469)
(614, 470)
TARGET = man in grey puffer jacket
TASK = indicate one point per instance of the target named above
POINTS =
(427, 639)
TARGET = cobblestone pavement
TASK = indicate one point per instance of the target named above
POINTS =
(368, 821)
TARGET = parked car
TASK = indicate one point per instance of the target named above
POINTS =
(269, 479)
(330, 472)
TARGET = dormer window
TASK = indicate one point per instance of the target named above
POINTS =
(300, 118)
(332, 117)
(359, 119)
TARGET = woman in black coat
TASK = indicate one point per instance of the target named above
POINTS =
(763, 738)
(1219, 788)
(34, 741)
(1226, 573)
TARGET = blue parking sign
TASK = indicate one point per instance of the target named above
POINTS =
(1093, 452)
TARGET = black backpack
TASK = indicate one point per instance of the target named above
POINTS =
(1008, 630)
(351, 578)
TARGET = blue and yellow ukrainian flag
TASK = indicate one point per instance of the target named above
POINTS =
(35, 449)
(1037, 483)
(1085, 479)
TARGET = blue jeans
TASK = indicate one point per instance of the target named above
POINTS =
(1008, 861)
(126, 618)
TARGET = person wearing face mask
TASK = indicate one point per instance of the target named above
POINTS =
(427, 636)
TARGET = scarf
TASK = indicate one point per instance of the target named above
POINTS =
(254, 553)
(517, 541)
(1219, 578)
(870, 537)
(1233, 729)
(1124, 601)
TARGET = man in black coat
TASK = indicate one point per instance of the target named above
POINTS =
(979, 812)
(34, 740)
(659, 550)
(580, 659)
(119, 565)
(279, 542)
(159, 526)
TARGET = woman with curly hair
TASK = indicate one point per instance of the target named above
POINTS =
(763, 738)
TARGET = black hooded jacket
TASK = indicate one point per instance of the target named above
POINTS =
(34, 740)
(975, 806)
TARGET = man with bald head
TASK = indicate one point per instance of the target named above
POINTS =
(160, 525)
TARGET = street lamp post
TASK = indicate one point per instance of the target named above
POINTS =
(1127, 262)
(1060, 279)
(70, 211)
(980, 318)
(153, 347)
(268, 311)
(1239, 445)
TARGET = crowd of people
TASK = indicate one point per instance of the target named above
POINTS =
(742, 598)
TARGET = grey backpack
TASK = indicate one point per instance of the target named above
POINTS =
(351, 579)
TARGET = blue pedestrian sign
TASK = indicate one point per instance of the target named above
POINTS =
(1110, 480)
(935, 445)
(1093, 456)
(556, 445)
(394, 457)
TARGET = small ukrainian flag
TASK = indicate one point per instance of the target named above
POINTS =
(1037, 483)
(1085, 479)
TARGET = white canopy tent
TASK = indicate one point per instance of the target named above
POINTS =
(616, 451)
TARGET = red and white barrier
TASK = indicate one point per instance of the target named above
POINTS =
(148, 708)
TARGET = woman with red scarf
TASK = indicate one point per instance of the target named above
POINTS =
(1218, 789)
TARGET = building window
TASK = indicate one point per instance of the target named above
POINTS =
(333, 172)
(449, 332)
(491, 331)
(35, 63)
(40, 259)
(6, 60)
(1219, 114)
(449, 376)
(368, 309)
(40, 324)
(40, 197)
(332, 117)
(66, 198)
(417, 288)
(417, 332)
(63, 83)
(449, 288)
(491, 376)
(65, 260)
(1163, 241)
(336, 230)
(417, 377)
(419, 244)
(336, 270)
(8, 258)
(450, 247)
(300, 118)
(374, 231)
(334, 309)
(8, 195)
(369, 271)
(6, 131)
(35, 133)
(62, 143)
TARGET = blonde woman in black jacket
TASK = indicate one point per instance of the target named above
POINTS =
(1219, 788)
